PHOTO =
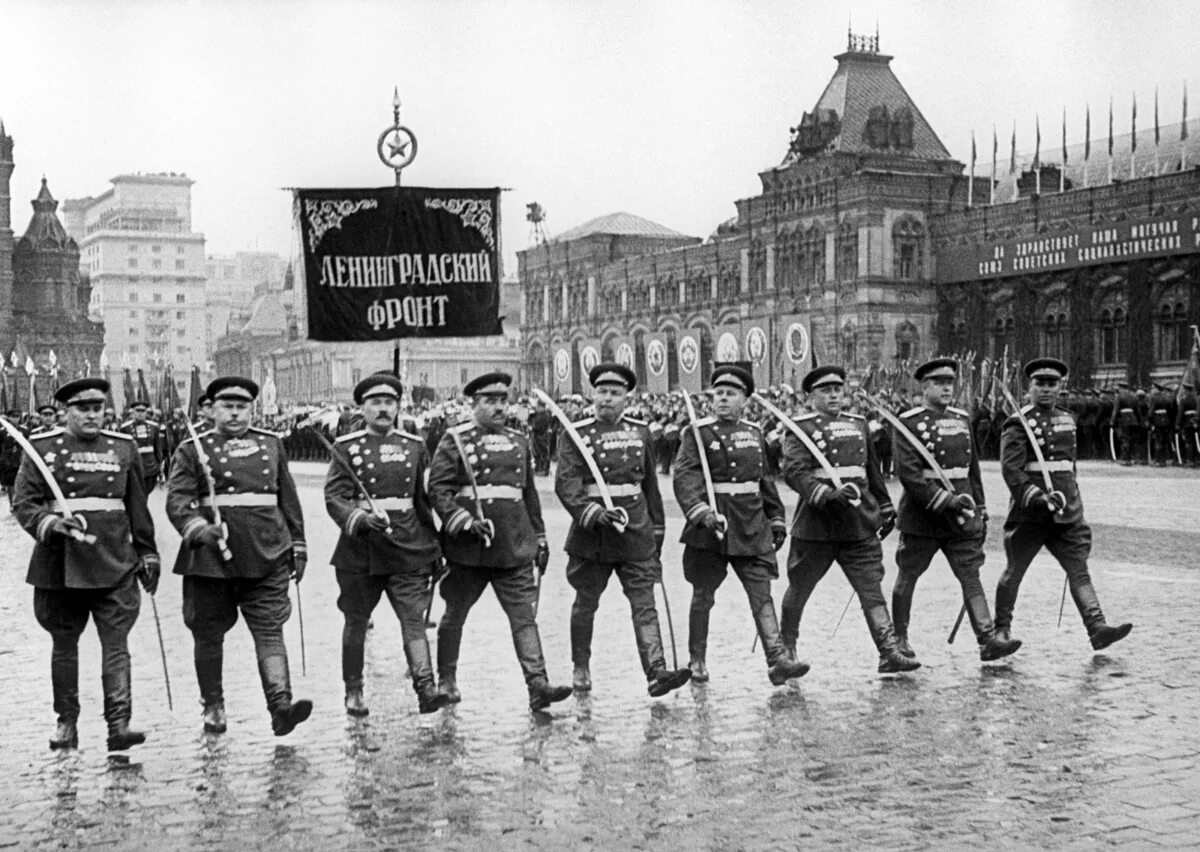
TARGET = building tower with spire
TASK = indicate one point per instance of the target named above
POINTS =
(6, 243)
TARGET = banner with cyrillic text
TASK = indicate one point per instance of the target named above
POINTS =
(393, 262)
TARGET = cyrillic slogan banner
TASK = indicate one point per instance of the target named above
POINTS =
(381, 264)
(560, 368)
(656, 363)
(689, 362)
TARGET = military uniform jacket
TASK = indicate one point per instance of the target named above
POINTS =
(1055, 433)
(745, 496)
(947, 436)
(848, 447)
(508, 496)
(1187, 412)
(1162, 410)
(256, 496)
(625, 457)
(102, 481)
(392, 468)
(148, 436)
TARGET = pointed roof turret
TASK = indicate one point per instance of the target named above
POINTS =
(45, 230)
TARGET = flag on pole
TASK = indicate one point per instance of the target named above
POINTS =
(1037, 154)
(1012, 162)
(1183, 132)
(1110, 140)
(995, 151)
(1087, 142)
(971, 176)
(194, 394)
(127, 388)
(31, 370)
(1133, 139)
(143, 393)
(1156, 137)
(1062, 173)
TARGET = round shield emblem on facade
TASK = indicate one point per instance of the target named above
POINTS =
(756, 345)
(562, 365)
(656, 357)
(625, 355)
(589, 357)
(727, 347)
(797, 342)
(689, 354)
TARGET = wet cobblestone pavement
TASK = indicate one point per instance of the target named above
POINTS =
(1059, 747)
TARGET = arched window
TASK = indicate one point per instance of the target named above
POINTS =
(758, 266)
(610, 301)
(1003, 329)
(556, 300)
(908, 255)
(697, 287)
(847, 253)
(728, 283)
(1112, 345)
(958, 330)
(667, 291)
(577, 305)
(814, 257)
(907, 342)
(1172, 332)
(849, 346)
(1054, 330)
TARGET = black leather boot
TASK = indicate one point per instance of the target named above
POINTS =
(430, 699)
(448, 639)
(118, 707)
(891, 661)
(542, 695)
(581, 679)
(209, 665)
(782, 665)
(66, 735)
(702, 601)
(666, 680)
(992, 646)
(581, 648)
(902, 595)
(64, 679)
(277, 687)
(352, 672)
(356, 704)
(1099, 632)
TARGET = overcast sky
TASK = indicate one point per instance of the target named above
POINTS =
(664, 109)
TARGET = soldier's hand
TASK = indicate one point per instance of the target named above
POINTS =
(888, 524)
(960, 503)
(610, 518)
(542, 558)
(376, 523)
(210, 535)
(483, 530)
(709, 520)
(299, 563)
(64, 528)
(148, 572)
(659, 537)
(778, 537)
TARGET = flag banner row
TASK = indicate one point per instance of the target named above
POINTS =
(396, 262)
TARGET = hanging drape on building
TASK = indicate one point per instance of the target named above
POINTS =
(656, 363)
(689, 362)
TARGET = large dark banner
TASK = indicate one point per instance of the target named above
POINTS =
(381, 264)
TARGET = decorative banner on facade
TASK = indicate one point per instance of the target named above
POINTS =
(727, 344)
(656, 363)
(393, 262)
(755, 350)
(689, 362)
(624, 353)
(796, 342)
(589, 356)
(562, 371)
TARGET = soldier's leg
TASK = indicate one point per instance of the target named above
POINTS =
(358, 594)
(408, 592)
(63, 614)
(209, 611)
(1022, 541)
(862, 563)
(1125, 438)
(807, 563)
(148, 483)
(266, 606)
(637, 582)
(516, 590)
(115, 611)
(461, 587)
(1071, 546)
(756, 574)
(705, 570)
(913, 556)
(588, 579)
(966, 558)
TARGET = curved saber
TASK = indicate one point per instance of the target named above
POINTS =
(1037, 451)
(593, 468)
(77, 532)
(206, 468)
(809, 445)
(462, 454)
(722, 523)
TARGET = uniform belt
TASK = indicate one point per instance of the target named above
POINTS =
(1050, 466)
(242, 500)
(849, 471)
(736, 487)
(1126, 410)
(631, 489)
(492, 492)
(1160, 411)
(951, 473)
(145, 449)
(90, 504)
(388, 504)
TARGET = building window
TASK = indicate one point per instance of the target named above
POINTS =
(907, 340)
(158, 297)
(133, 248)
(814, 256)
(178, 249)
(179, 315)
(133, 348)
(179, 264)
(463, 376)
(1054, 331)
(179, 332)
(133, 297)
(133, 263)
(133, 331)
(180, 298)
(181, 350)
(849, 346)
(908, 257)
(1113, 332)
(1003, 329)
(156, 249)
(133, 314)
(157, 264)
(1172, 328)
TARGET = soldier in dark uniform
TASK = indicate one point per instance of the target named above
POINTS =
(1037, 518)
(147, 435)
(1125, 422)
(101, 477)
(47, 419)
(264, 532)
(1142, 431)
(596, 545)
(1186, 425)
(933, 518)
(540, 425)
(749, 515)
(204, 412)
(394, 552)
(10, 454)
(827, 525)
(502, 548)
(1104, 416)
(670, 441)
(1162, 424)
(981, 427)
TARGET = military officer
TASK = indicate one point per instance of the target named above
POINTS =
(1040, 518)
(1186, 425)
(838, 524)
(262, 529)
(1125, 420)
(47, 419)
(388, 543)
(625, 540)
(147, 435)
(745, 531)
(481, 485)
(101, 477)
(933, 518)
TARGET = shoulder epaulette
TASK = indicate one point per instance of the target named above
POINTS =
(808, 415)
(587, 421)
(958, 411)
(350, 436)
(154, 423)
(706, 421)
(58, 430)
(913, 411)
(126, 423)
(409, 435)
(110, 433)
(633, 420)
(751, 423)
(262, 431)
(853, 416)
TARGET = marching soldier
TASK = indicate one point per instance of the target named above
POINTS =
(1162, 422)
(147, 435)
(1125, 421)
(101, 477)
(10, 454)
(1039, 518)
(481, 485)
(394, 552)
(828, 526)
(1186, 425)
(47, 419)
(540, 425)
(746, 530)
(625, 540)
(262, 529)
(932, 518)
